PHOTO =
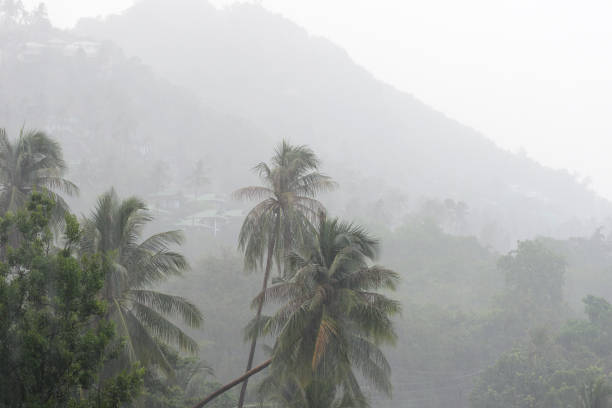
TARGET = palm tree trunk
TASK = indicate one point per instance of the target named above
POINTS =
(271, 245)
(244, 377)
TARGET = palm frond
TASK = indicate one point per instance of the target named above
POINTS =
(55, 182)
(252, 193)
(311, 184)
(332, 319)
(328, 329)
(162, 241)
(147, 269)
(168, 305)
(124, 329)
(146, 346)
(132, 266)
(163, 329)
(278, 293)
(374, 277)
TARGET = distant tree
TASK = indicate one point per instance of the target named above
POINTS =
(133, 266)
(534, 278)
(541, 378)
(37, 18)
(282, 219)
(331, 321)
(593, 334)
(596, 393)
(12, 11)
(568, 369)
(33, 162)
(198, 178)
(160, 176)
(53, 339)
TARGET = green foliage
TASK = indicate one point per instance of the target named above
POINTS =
(534, 272)
(291, 183)
(282, 220)
(33, 162)
(533, 292)
(592, 335)
(132, 266)
(589, 266)
(191, 383)
(331, 321)
(447, 269)
(538, 379)
(116, 392)
(53, 340)
(567, 370)
(596, 393)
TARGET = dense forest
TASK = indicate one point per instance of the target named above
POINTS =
(210, 207)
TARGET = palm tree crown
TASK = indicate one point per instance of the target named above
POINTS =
(133, 267)
(291, 183)
(282, 219)
(331, 319)
(33, 161)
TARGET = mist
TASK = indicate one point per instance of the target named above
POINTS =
(291, 205)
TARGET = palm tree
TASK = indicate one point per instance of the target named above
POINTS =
(332, 320)
(282, 218)
(133, 265)
(33, 162)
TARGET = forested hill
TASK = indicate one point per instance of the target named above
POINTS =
(182, 81)
(250, 62)
(119, 123)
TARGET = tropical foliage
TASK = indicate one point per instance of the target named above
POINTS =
(331, 321)
(192, 381)
(32, 162)
(89, 318)
(133, 265)
(53, 340)
(281, 221)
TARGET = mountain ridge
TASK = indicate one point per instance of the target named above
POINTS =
(250, 78)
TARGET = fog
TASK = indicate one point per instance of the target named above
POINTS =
(434, 227)
(526, 74)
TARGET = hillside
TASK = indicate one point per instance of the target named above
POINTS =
(119, 123)
(262, 67)
(229, 84)
(175, 101)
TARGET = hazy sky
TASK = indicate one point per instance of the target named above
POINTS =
(527, 73)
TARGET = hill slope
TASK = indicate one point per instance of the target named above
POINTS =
(262, 67)
(119, 124)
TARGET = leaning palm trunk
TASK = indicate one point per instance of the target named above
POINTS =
(260, 307)
(244, 377)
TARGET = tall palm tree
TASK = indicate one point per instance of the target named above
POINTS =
(33, 162)
(134, 266)
(282, 219)
(332, 319)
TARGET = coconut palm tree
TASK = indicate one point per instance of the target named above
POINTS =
(281, 220)
(134, 265)
(33, 162)
(331, 321)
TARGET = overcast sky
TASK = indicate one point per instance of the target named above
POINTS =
(535, 74)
